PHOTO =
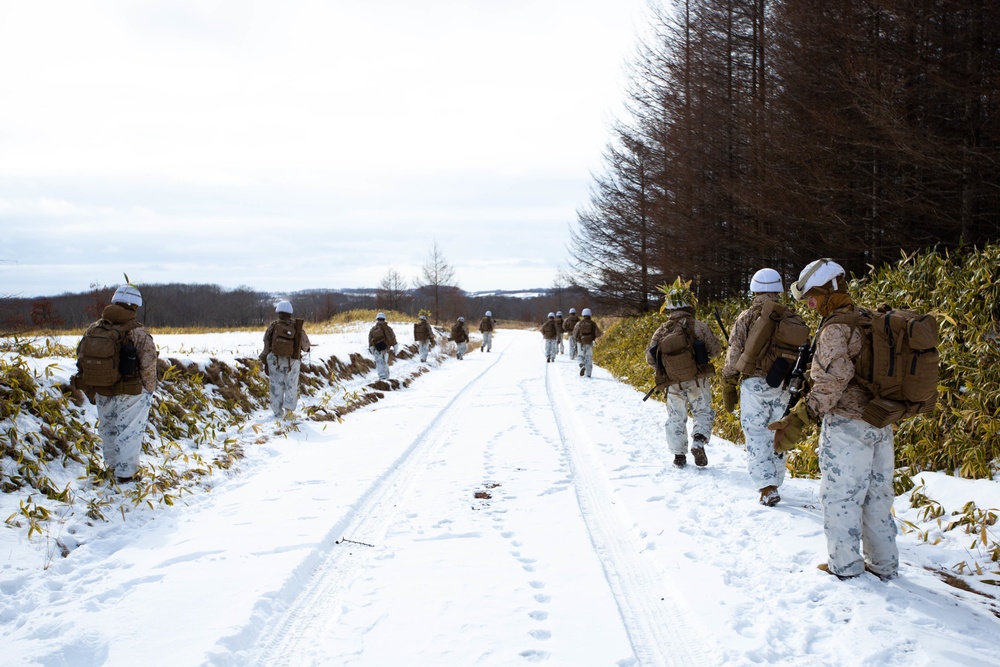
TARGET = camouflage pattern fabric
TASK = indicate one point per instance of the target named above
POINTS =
(856, 461)
(760, 405)
(424, 347)
(572, 347)
(283, 374)
(587, 358)
(696, 395)
(381, 362)
(487, 340)
(121, 425)
(462, 348)
(551, 348)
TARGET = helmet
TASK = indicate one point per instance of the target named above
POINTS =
(552, 316)
(677, 294)
(586, 312)
(558, 313)
(572, 311)
(461, 319)
(766, 280)
(283, 307)
(380, 316)
(423, 317)
(127, 294)
(489, 314)
(817, 274)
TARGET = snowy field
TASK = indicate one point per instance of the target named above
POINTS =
(498, 511)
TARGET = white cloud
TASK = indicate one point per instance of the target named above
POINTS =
(224, 120)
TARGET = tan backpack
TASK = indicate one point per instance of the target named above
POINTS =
(898, 362)
(107, 362)
(587, 328)
(773, 342)
(678, 358)
(283, 339)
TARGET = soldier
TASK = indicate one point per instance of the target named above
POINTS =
(560, 327)
(424, 335)
(284, 343)
(549, 334)
(585, 333)
(382, 340)
(856, 459)
(686, 346)
(460, 335)
(124, 398)
(568, 326)
(760, 403)
(486, 327)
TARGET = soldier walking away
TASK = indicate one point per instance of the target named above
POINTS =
(486, 327)
(585, 333)
(424, 335)
(381, 341)
(549, 333)
(284, 343)
(856, 459)
(560, 327)
(568, 326)
(116, 362)
(460, 335)
(761, 400)
(681, 350)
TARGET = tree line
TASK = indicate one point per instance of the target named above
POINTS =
(764, 133)
(434, 292)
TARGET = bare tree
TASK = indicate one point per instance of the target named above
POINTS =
(392, 292)
(437, 280)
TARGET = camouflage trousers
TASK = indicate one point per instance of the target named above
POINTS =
(551, 348)
(693, 394)
(760, 405)
(284, 379)
(381, 362)
(572, 347)
(461, 349)
(487, 341)
(424, 346)
(121, 425)
(586, 357)
(562, 347)
(856, 461)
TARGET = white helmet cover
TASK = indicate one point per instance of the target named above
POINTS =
(380, 316)
(489, 314)
(283, 307)
(127, 294)
(572, 311)
(586, 312)
(766, 280)
(816, 274)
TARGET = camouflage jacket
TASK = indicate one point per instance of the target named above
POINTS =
(387, 333)
(570, 323)
(548, 329)
(486, 324)
(740, 330)
(701, 332)
(459, 334)
(422, 331)
(832, 389)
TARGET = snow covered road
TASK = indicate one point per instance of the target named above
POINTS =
(499, 511)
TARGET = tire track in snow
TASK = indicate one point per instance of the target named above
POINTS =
(659, 627)
(291, 637)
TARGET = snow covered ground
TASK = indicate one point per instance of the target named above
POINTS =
(498, 511)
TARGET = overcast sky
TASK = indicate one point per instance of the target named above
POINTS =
(289, 145)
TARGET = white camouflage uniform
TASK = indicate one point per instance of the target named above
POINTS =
(283, 374)
(122, 425)
(696, 394)
(760, 404)
(856, 460)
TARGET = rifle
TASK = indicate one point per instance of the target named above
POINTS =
(722, 327)
(797, 377)
(659, 366)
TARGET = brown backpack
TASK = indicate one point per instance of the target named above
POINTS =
(586, 331)
(678, 362)
(773, 341)
(898, 362)
(107, 362)
(283, 339)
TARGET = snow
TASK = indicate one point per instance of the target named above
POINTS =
(498, 511)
